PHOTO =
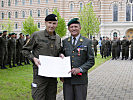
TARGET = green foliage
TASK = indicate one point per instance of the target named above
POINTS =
(89, 21)
(29, 26)
(8, 25)
(61, 28)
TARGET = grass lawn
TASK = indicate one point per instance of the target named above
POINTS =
(15, 83)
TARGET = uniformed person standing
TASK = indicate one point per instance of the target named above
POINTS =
(114, 48)
(26, 60)
(108, 45)
(5, 52)
(119, 47)
(131, 51)
(20, 44)
(104, 48)
(1, 51)
(48, 43)
(95, 43)
(82, 59)
(12, 50)
(125, 48)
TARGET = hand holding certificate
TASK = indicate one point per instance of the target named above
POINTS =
(54, 66)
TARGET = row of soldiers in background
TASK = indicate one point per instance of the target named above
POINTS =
(115, 47)
(11, 50)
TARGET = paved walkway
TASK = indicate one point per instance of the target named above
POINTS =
(113, 80)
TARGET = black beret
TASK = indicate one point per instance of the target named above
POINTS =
(124, 36)
(27, 34)
(73, 21)
(0, 33)
(51, 17)
(4, 31)
(20, 33)
(103, 36)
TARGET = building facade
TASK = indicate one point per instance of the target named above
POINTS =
(115, 16)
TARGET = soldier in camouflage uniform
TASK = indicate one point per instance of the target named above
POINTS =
(1, 50)
(12, 50)
(5, 52)
(125, 48)
(26, 60)
(104, 48)
(95, 43)
(20, 44)
(131, 51)
(114, 43)
(45, 42)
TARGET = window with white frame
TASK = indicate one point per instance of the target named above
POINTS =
(30, 2)
(23, 2)
(46, 12)
(129, 10)
(81, 5)
(16, 26)
(38, 13)
(9, 2)
(38, 24)
(9, 14)
(23, 14)
(16, 14)
(38, 1)
(31, 13)
(2, 3)
(46, 1)
(2, 15)
(115, 12)
(71, 7)
(16, 2)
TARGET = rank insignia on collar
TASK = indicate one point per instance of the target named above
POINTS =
(69, 39)
(81, 40)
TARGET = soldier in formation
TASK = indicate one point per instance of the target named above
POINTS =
(95, 43)
(9, 46)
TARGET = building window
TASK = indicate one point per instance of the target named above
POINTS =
(16, 14)
(55, 1)
(2, 3)
(81, 5)
(46, 12)
(9, 2)
(23, 2)
(38, 25)
(115, 12)
(71, 7)
(38, 1)
(2, 16)
(128, 12)
(38, 13)
(23, 14)
(9, 14)
(131, 1)
(16, 26)
(46, 1)
(30, 2)
(31, 13)
(16, 2)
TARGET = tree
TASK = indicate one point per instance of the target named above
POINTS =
(8, 26)
(29, 26)
(61, 28)
(89, 21)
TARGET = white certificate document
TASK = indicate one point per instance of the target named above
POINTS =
(54, 66)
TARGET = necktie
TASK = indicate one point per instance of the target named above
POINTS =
(74, 41)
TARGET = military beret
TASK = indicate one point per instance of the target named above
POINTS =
(27, 34)
(94, 37)
(4, 31)
(12, 33)
(103, 36)
(0, 33)
(20, 33)
(124, 36)
(73, 21)
(51, 17)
